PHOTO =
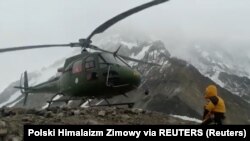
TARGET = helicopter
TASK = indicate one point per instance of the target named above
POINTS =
(102, 74)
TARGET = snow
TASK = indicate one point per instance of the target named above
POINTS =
(129, 45)
(70, 101)
(57, 97)
(131, 63)
(164, 66)
(12, 98)
(86, 104)
(45, 106)
(220, 60)
(216, 79)
(204, 54)
(187, 118)
(13, 104)
(141, 54)
(2, 87)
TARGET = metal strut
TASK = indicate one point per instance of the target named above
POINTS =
(51, 100)
(59, 100)
(107, 101)
(129, 104)
(107, 79)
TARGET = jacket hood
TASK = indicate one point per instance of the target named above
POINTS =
(211, 90)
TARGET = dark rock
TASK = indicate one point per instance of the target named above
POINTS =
(3, 128)
(12, 138)
(27, 119)
(53, 109)
(76, 112)
(102, 113)
(49, 114)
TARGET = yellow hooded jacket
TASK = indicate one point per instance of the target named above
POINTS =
(215, 103)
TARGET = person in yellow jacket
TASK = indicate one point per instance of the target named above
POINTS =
(214, 110)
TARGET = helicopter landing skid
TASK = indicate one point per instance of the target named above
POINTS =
(129, 104)
(66, 100)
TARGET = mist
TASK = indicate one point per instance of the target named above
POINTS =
(180, 24)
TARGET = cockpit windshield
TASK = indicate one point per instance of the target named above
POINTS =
(109, 58)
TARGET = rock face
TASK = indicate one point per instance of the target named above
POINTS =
(237, 85)
(228, 70)
(12, 120)
(177, 87)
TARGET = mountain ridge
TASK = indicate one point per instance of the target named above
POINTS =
(176, 87)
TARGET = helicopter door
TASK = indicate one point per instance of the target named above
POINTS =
(76, 76)
(77, 67)
(90, 67)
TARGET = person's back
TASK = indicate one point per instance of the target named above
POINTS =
(214, 110)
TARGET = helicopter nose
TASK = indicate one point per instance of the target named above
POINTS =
(137, 78)
(130, 76)
(121, 76)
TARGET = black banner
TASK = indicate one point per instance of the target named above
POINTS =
(80, 132)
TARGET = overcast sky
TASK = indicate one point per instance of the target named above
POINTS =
(28, 22)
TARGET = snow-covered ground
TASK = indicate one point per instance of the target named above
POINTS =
(187, 118)
(12, 98)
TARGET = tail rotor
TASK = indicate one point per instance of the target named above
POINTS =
(25, 87)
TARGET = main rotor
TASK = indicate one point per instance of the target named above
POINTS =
(85, 43)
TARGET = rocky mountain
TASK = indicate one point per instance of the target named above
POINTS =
(175, 88)
(178, 87)
(228, 70)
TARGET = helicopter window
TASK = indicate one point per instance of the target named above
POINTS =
(109, 58)
(89, 65)
(102, 63)
(89, 59)
(77, 67)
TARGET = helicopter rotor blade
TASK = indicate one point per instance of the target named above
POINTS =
(85, 43)
(138, 61)
(122, 16)
(122, 56)
(38, 46)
